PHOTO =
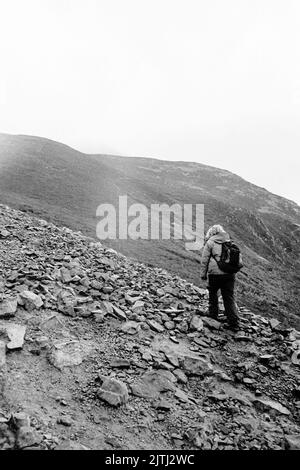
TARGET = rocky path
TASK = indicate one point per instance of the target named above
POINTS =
(100, 352)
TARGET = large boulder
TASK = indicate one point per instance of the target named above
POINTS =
(65, 354)
(195, 365)
(30, 300)
(26, 436)
(15, 333)
(7, 437)
(152, 384)
(112, 391)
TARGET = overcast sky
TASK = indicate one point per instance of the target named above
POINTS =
(215, 81)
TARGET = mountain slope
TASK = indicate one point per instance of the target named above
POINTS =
(100, 352)
(66, 187)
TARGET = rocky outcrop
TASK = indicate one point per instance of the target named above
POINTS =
(88, 336)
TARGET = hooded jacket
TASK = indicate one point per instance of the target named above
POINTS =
(213, 247)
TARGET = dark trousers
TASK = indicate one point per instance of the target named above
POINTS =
(224, 282)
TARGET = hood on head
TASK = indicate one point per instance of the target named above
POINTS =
(220, 238)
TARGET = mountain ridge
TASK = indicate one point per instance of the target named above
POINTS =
(149, 158)
(65, 186)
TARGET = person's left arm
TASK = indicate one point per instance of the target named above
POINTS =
(205, 261)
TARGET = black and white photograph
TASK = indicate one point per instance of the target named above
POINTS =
(149, 229)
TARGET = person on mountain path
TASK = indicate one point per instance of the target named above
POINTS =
(217, 241)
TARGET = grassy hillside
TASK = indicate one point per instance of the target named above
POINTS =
(65, 186)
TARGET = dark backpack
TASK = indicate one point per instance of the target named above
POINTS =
(231, 259)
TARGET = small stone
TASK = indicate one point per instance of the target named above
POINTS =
(266, 358)
(223, 376)
(51, 324)
(84, 312)
(42, 341)
(2, 354)
(241, 336)
(138, 306)
(174, 339)
(218, 396)
(21, 420)
(8, 308)
(112, 391)
(271, 405)
(65, 421)
(196, 323)
(163, 405)
(107, 289)
(274, 323)
(182, 396)
(296, 358)
(200, 342)
(120, 363)
(292, 442)
(248, 381)
(147, 356)
(99, 317)
(131, 300)
(169, 325)
(4, 233)
(65, 275)
(211, 323)
(176, 436)
(181, 377)
(155, 326)
(131, 327)
(172, 358)
(112, 441)
(119, 313)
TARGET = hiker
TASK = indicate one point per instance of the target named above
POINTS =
(217, 241)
